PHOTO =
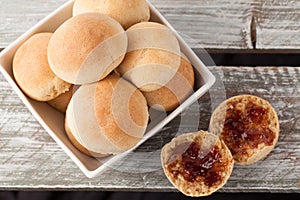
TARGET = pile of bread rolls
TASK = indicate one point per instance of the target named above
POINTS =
(104, 67)
(243, 130)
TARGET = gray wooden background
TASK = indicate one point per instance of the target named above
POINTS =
(30, 159)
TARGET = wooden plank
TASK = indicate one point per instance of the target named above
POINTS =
(277, 24)
(214, 24)
(29, 158)
(18, 16)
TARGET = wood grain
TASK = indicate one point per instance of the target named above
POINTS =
(18, 16)
(217, 24)
(30, 159)
(214, 25)
(277, 24)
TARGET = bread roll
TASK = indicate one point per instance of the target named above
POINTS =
(175, 91)
(61, 102)
(153, 56)
(126, 12)
(197, 164)
(32, 72)
(248, 125)
(86, 48)
(107, 117)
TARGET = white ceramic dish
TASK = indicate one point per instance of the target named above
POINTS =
(53, 121)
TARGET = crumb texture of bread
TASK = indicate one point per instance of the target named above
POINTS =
(61, 102)
(248, 125)
(197, 164)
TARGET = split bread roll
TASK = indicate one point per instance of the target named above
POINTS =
(32, 71)
(107, 117)
(126, 12)
(61, 102)
(248, 125)
(175, 91)
(86, 48)
(153, 56)
(197, 164)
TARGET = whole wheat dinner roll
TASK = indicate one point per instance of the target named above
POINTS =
(153, 56)
(126, 12)
(197, 164)
(32, 72)
(86, 48)
(175, 91)
(61, 102)
(248, 125)
(107, 117)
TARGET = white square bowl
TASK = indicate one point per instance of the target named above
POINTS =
(53, 121)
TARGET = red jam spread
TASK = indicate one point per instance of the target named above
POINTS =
(195, 165)
(244, 130)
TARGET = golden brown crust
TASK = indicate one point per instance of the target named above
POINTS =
(79, 146)
(143, 25)
(32, 72)
(76, 46)
(176, 90)
(253, 123)
(126, 12)
(82, 126)
(150, 65)
(107, 117)
(172, 152)
(122, 112)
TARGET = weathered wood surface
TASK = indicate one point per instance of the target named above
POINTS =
(18, 16)
(218, 24)
(213, 24)
(277, 24)
(29, 158)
